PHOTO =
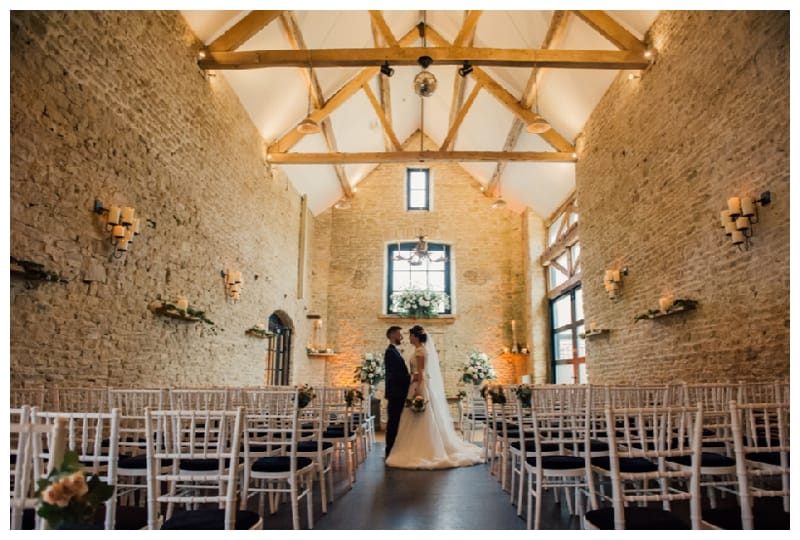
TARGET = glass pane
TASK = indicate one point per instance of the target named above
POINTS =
(436, 281)
(576, 250)
(581, 342)
(582, 373)
(562, 312)
(557, 277)
(552, 231)
(416, 199)
(563, 260)
(579, 306)
(401, 281)
(419, 280)
(436, 266)
(417, 180)
(573, 218)
(401, 266)
(563, 343)
(564, 374)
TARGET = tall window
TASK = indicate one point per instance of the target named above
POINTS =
(434, 276)
(562, 259)
(418, 193)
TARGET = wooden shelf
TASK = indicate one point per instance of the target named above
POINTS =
(598, 332)
(251, 333)
(39, 274)
(175, 315)
(671, 311)
(441, 319)
(321, 354)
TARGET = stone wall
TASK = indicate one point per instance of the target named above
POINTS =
(112, 105)
(659, 158)
(489, 271)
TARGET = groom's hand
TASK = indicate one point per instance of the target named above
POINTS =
(415, 377)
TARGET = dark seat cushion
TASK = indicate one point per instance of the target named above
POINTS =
(628, 465)
(311, 446)
(530, 446)
(558, 462)
(130, 518)
(138, 462)
(707, 459)
(768, 458)
(210, 519)
(768, 514)
(637, 518)
(279, 464)
(594, 446)
(204, 464)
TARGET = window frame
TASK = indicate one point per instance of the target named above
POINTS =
(427, 172)
(574, 325)
(393, 247)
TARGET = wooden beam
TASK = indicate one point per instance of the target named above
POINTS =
(612, 30)
(250, 25)
(554, 251)
(296, 40)
(280, 158)
(383, 28)
(466, 36)
(351, 87)
(387, 127)
(568, 201)
(442, 56)
(460, 118)
(384, 88)
(467, 32)
(558, 23)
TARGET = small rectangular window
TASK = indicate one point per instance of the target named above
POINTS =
(418, 193)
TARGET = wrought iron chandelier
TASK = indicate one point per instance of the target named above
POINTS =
(420, 254)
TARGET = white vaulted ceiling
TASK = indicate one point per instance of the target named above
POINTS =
(276, 98)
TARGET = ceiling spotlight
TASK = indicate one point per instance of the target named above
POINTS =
(499, 203)
(465, 70)
(386, 70)
(201, 55)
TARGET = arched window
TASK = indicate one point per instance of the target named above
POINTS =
(279, 353)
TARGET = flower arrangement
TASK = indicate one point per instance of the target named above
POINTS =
(258, 330)
(419, 303)
(478, 368)
(305, 394)
(66, 496)
(171, 310)
(462, 395)
(679, 304)
(371, 370)
(524, 393)
(416, 404)
(352, 396)
(495, 391)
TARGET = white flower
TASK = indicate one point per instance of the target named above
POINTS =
(369, 356)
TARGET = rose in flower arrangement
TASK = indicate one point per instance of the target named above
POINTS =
(371, 370)
(67, 497)
(416, 404)
(494, 391)
(352, 396)
(419, 303)
(524, 393)
(477, 369)
(305, 394)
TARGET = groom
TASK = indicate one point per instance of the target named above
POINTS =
(397, 382)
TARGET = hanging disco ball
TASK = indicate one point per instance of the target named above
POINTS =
(425, 83)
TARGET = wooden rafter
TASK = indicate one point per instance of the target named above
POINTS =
(443, 56)
(384, 88)
(466, 36)
(247, 27)
(555, 139)
(558, 23)
(345, 92)
(387, 127)
(448, 141)
(296, 40)
(612, 30)
(411, 156)
(383, 28)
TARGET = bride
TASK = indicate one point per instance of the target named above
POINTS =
(427, 440)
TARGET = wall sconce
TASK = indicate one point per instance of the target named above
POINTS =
(121, 223)
(740, 215)
(233, 283)
(613, 282)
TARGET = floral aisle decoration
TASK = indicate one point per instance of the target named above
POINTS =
(477, 369)
(524, 393)
(66, 497)
(371, 371)
(416, 404)
(258, 330)
(419, 303)
(494, 391)
(305, 394)
(353, 396)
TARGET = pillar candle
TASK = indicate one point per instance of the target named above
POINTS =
(118, 231)
(113, 215)
(526, 379)
(122, 244)
(135, 226)
(236, 296)
(228, 277)
(182, 303)
(737, 238)
(734, 206)
(615, 276)
(748, 207)
(724, 218)
(127, 215)
(742, 223)
(730, 228)
(664, 303)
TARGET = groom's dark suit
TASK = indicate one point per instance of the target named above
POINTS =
(397, 381)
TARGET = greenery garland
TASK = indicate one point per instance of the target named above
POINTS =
(36, 270)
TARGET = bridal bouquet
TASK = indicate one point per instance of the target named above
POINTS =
(371, 370)
(477, 369)
(67, 497)
(419, 303)
(416, 404)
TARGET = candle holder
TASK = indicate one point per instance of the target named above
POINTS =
(613, 282)
(738, 218)
(233, 284)
(122, 225)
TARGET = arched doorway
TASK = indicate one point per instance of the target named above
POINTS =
(279, 353)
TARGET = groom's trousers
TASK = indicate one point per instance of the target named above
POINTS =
(394, 408)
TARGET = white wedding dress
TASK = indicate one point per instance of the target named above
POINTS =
(428, 440)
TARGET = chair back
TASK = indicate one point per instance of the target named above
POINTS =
(76, 399)
(199, 399)
(32, 397)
